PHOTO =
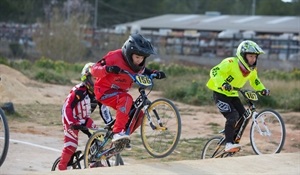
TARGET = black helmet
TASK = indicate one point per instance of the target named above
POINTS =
(136, 44)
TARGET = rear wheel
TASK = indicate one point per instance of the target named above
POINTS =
(163, 139)
(94, 148)
(213, 148)
(267, 133)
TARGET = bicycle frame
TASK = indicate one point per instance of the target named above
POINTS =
(267, 131)
(141, 103)
(243, 121)
(249, 96)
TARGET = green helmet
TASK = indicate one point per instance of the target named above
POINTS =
(245, 47)
(86, 77)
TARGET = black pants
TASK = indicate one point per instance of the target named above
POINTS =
(231, 108)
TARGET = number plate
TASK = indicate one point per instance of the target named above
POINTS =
(251, 95)
(143, 80)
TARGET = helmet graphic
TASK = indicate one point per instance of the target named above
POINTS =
(247, 47)
(86, 77)
(136, 44)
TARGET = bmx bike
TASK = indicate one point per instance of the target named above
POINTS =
(267, 131)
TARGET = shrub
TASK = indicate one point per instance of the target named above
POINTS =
(3, 61)
(51, 77)
(45, 63)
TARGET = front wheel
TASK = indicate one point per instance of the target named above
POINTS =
(4, 137)
(97, 145)
(267, 133)
(161, 139)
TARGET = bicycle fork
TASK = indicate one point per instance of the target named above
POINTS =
(160, 127)
(258, 128)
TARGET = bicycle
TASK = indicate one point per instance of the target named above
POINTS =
(267, 131)
(4, 136)
(160, 126)
(76, 161)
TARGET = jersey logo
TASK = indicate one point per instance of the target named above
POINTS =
(223, 107)
(229, 78)
(214, 71)
(230, 61)
(257, 82)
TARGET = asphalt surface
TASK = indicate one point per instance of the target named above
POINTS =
(277, 164)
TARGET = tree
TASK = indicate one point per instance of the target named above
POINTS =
(61, 38)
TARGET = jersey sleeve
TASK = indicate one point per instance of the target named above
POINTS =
(70, 102)
(98, 70)
(255, 82)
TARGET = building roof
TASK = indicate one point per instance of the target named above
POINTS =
(217, 23)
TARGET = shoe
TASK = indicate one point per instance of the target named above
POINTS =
(230, 147)
(120, 136)
(128, 146)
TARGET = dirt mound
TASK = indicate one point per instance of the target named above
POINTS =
(17, 88)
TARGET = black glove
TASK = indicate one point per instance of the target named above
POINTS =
(160, 75)
(226, 86)
(113, 69)
(75, 126)
(265, 92)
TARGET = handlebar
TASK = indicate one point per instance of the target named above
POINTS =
(152, 76)
(142, 80)
(245, 90)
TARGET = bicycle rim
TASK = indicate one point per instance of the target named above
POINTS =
(272, 138)
(159, 142)
(93, 148)
(213, 148)
(4, 137)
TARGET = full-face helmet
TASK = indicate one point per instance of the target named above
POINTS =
(87, 78)
(248, 47)
(136, 44)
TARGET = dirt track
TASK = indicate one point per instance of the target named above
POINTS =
(279, 164)
(33, 148)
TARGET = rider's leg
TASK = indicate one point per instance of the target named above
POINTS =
(70, 146)
(122, 103)
(242, 113)
(226, 107)
(105, 114)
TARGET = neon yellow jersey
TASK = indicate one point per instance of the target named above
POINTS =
(228, 71)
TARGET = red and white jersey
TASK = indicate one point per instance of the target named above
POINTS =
(77, 106)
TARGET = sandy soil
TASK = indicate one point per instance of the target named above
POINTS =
(33, 147)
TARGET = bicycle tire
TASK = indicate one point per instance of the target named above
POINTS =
(161, 143)
(213, 148)
(271, 142)
(89, 155)
(5, 137)
(74, 162)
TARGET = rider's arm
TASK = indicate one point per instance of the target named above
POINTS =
(73, 98)
(98, 70)
(148, 71)
(255, 82)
